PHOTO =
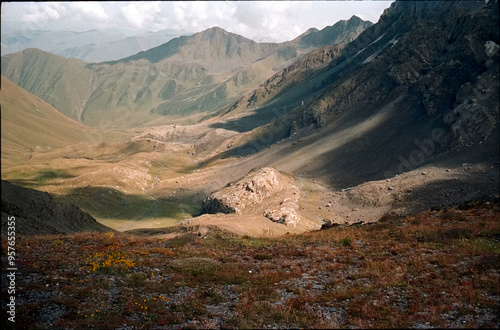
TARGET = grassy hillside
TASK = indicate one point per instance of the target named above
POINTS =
(29, 124)
(63, 83)
(131, 93)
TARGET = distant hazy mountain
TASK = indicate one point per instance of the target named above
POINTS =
(53, 40)
(89, 46)
(114, 50)
(186, 78)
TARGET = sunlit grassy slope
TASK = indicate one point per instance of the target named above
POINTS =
(30, 124)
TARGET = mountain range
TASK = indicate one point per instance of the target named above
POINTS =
(190, 75)
(398, 116)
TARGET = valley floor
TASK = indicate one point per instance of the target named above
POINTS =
(160, 176)
(436, 269)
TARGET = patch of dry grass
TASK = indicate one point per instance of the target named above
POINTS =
(433, 269)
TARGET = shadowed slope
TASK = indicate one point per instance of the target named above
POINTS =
(36, 213)
(419, 86)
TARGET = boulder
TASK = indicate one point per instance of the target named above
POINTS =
(263, 191)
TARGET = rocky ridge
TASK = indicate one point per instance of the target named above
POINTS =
(342, 32)
(438, 74)
(426, 72)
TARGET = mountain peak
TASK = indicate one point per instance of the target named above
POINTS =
(213, 44)
(309, 31)
(211, 33)
(354, 18)
(218, 33)
(341, 32)
(215, 29)
(212, 30)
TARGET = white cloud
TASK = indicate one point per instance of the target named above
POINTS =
(196, 16)
(282, 21)
(89, 11)
(272, 21)
(141, 14)
(39, 12)
(43, 13)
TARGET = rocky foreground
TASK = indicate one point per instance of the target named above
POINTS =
(436, 269)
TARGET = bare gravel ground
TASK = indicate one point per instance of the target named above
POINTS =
(411, 192)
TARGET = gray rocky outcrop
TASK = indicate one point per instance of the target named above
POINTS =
(265, 191)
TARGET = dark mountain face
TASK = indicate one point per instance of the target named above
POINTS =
(420, 84)
(185, 79)
(37, 213)
(434, 66)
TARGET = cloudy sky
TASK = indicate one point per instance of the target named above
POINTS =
(271, 21)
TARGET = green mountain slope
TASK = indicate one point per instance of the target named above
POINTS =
(183, 80)
(61, 82)
(29, 124)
